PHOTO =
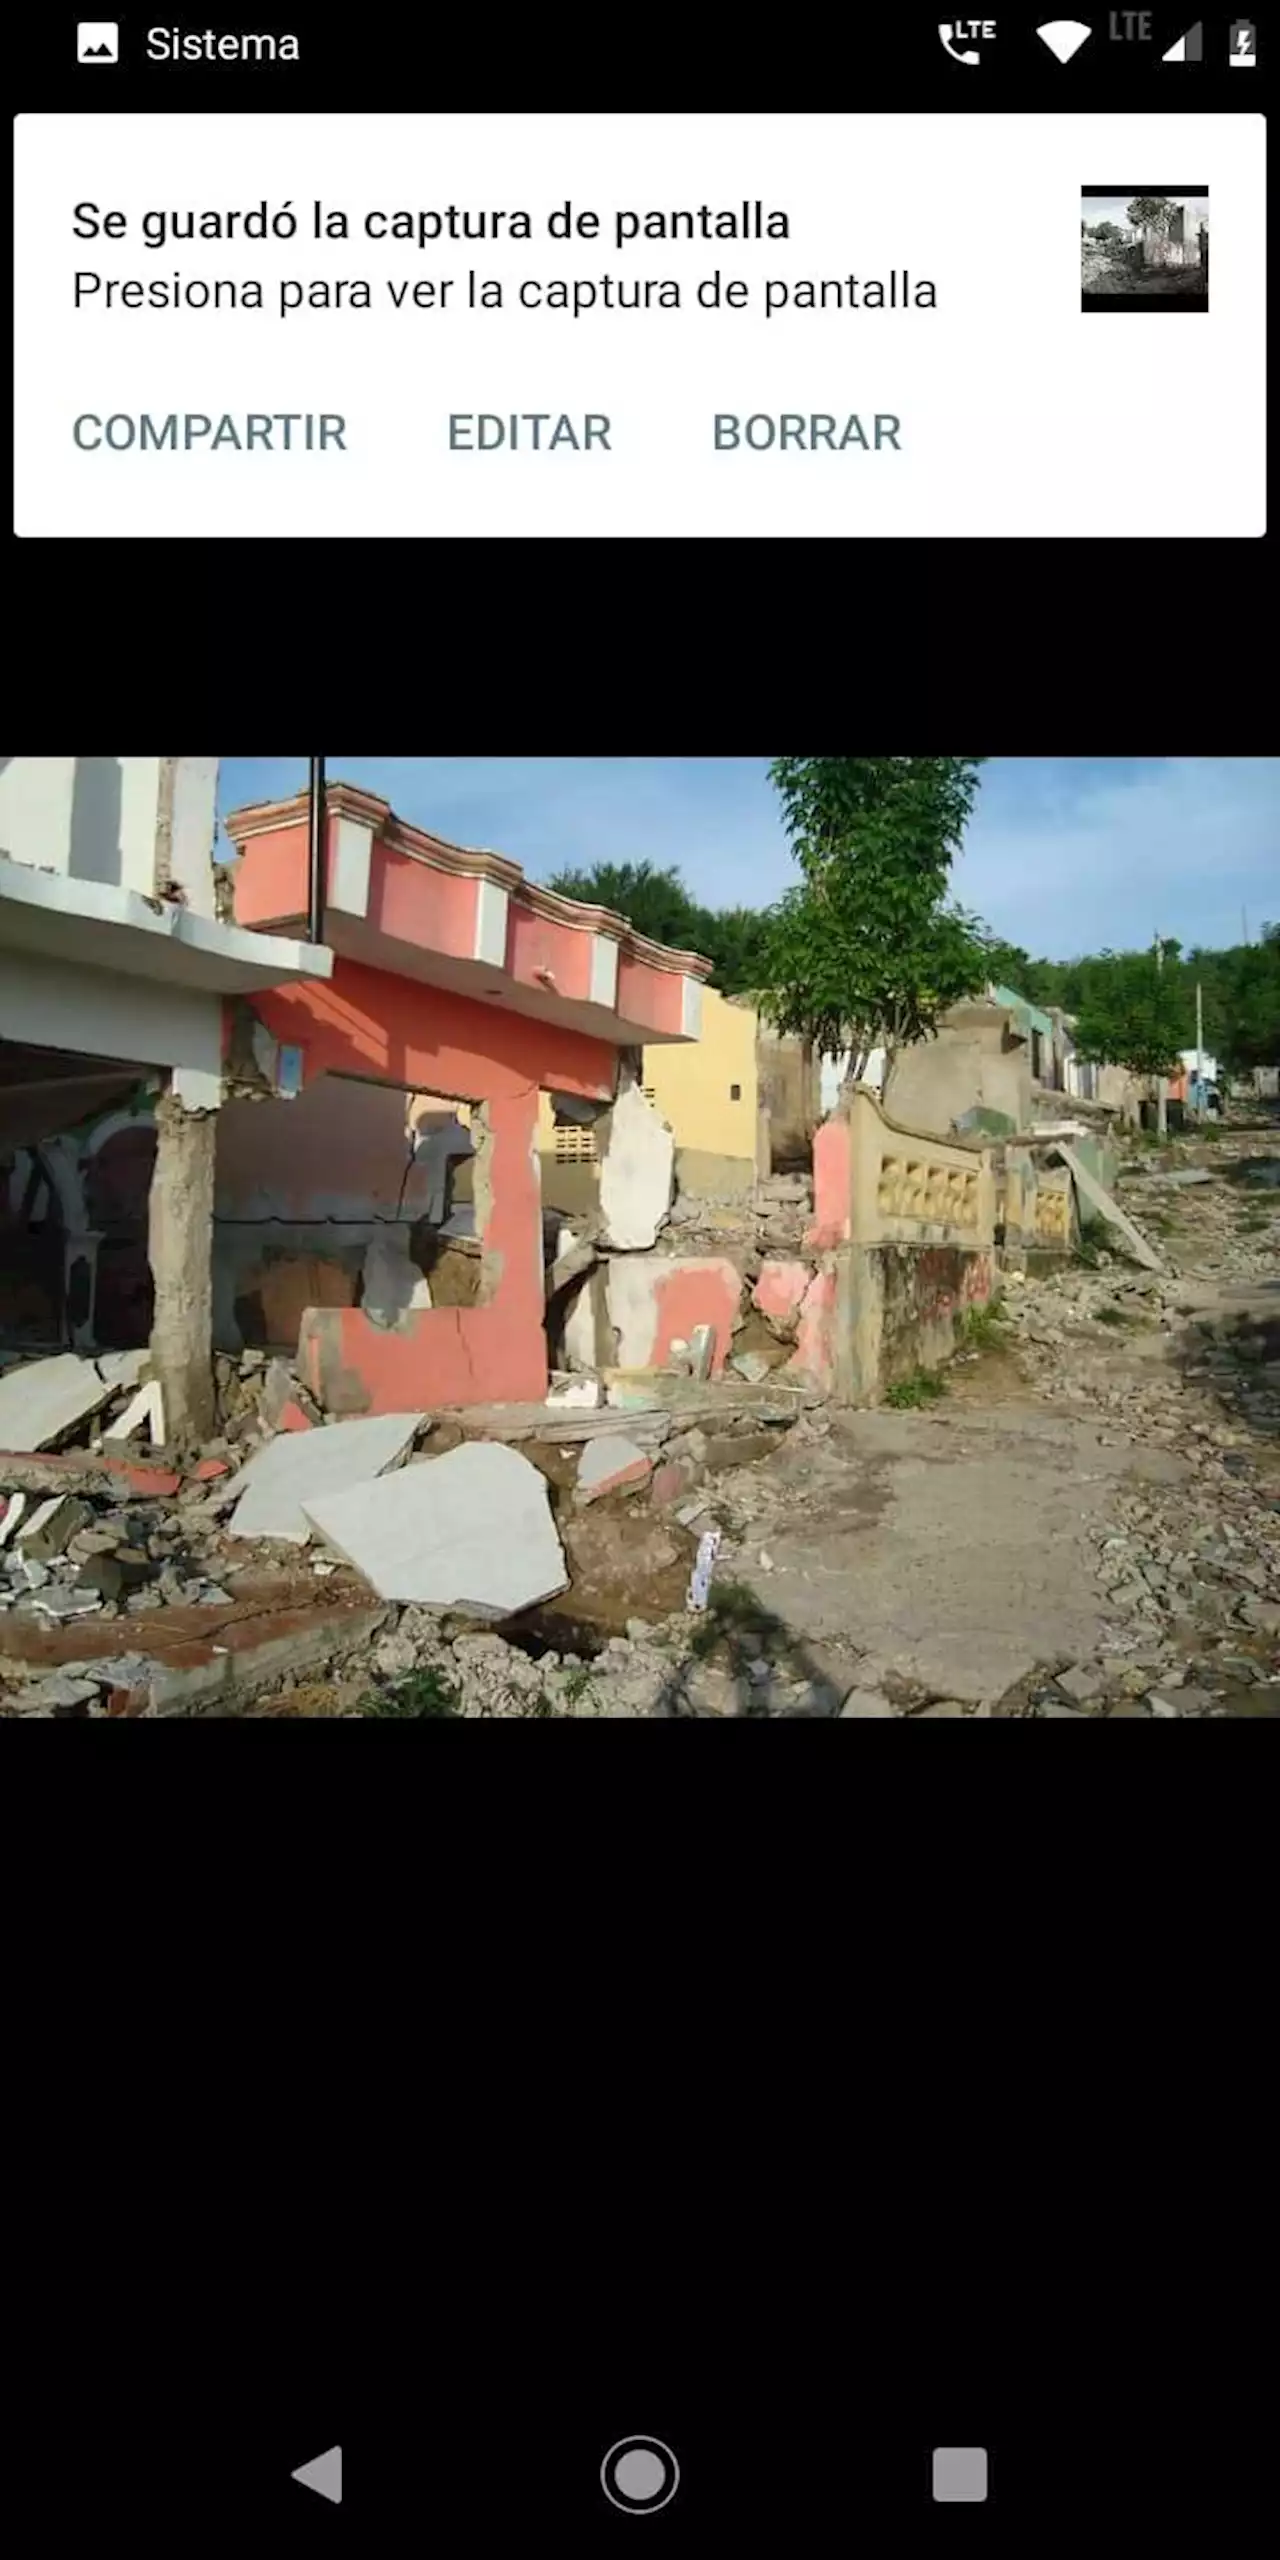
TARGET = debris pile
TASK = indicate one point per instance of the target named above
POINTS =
(297, 1559)
(1186, 1362)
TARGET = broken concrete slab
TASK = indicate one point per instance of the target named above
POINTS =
(561, 1423)
(739, 1449)
(206, 1658)
(637, 1173)
(103, 1574)
(586, 1394)
(609, 1464)
(575, 1257)
(1100, 1200)
(84, 1471)
(1081, 1683)
(392, 1286)
(659, 1299)
(472, 1530)
(57, 1601)
(143, 1411)
(52, 1526)
(750, 1365)
(270, 1491)
(702, 1351)
(283, 1404)
(867, 1702)
(61, 1694)
(42, 1399)
(12, 1508)
(671, 1482)
(122, 1369)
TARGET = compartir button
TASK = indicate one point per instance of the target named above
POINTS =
(639, 2475)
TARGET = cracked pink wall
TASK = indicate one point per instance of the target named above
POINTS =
(444, 1356)
(779, 1292)
(832, 1185)
(816, 1344)
(371, 1022)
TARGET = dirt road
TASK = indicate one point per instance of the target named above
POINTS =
(1100, 1497)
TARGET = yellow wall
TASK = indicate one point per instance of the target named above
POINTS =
(691, 1083)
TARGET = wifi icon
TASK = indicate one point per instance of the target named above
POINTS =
(1064, 36)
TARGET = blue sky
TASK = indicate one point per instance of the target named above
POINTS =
(1116, 208)
(1065, 853)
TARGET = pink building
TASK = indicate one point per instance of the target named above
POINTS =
(452, 975)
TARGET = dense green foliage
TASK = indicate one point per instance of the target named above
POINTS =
(866, 951)
(867, 948)
(657, 903)
(1153, 213)
(1132, 1008)
(1239, 987)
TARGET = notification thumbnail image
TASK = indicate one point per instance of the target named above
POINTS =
(1144, 249)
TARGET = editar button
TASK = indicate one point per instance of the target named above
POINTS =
(639, 2475)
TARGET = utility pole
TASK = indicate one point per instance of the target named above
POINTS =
(1162, 1099)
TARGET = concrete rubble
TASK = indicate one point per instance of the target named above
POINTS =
(1087, 1524)
(637, 1173)
(471, 1530)
(152, 1592)
(42, 1400)
(144, 1411)
(1103, 1205)
(273, 1493)
(51, 1526)
(608, 1464)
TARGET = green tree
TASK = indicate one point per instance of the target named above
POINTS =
(866, 951)
(1153, 213)
(736, 941)
(1134, 1011)
(1247, 1003)
(1007, 964)
(656, 902)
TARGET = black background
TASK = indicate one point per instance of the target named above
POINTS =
(473, 2096)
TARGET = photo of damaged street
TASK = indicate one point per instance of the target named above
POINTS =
(1145, 249)
(773, 1238)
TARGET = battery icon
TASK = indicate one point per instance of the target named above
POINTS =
(1244, 46)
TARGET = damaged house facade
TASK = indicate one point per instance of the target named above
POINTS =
(285, 1159)
(379, 1103)
(454, 981)
(115, 971)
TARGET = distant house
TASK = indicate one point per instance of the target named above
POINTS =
(1043, 1032)
(1056, 1064)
